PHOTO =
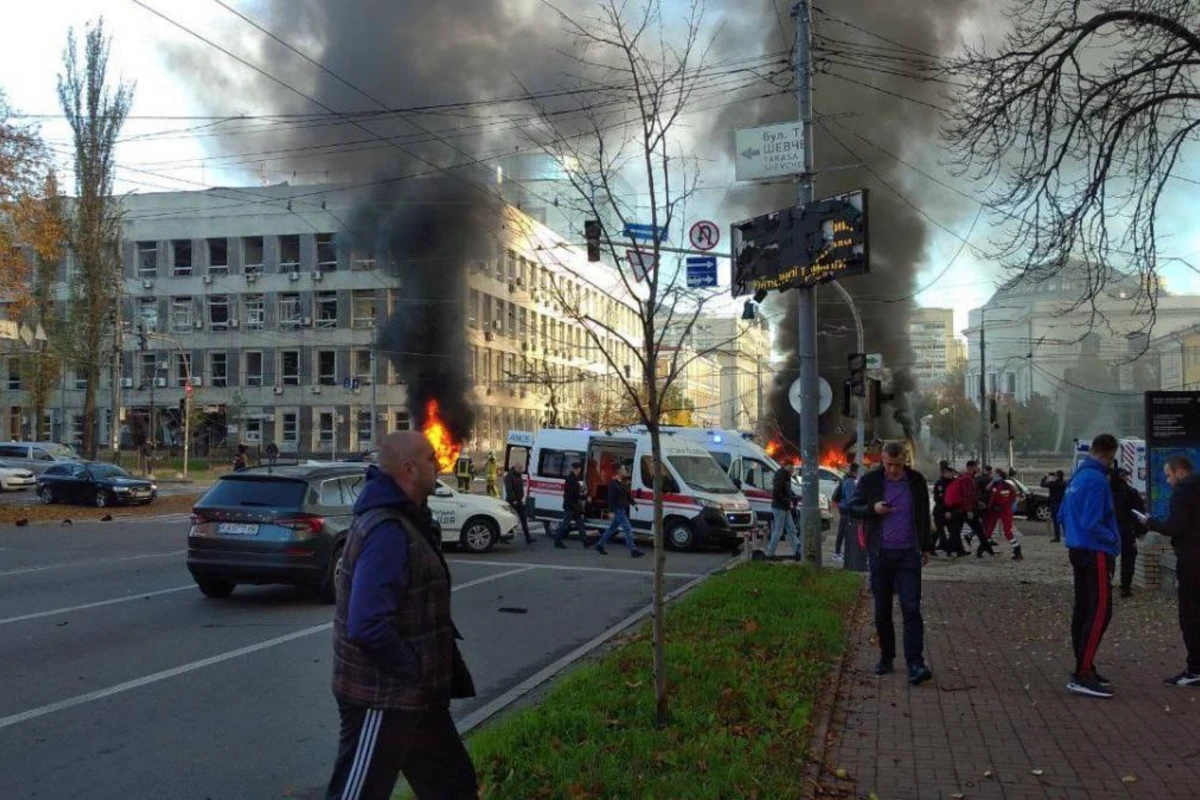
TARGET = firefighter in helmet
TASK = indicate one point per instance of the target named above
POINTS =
(491, 472)
(462, 471)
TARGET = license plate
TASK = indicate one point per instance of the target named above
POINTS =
(237, 529)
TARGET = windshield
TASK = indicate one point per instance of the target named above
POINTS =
(273, 492)
(108, 471)
(702, 474)
(60, 452)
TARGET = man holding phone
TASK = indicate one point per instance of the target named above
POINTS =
(1183, 526)
(893, 502)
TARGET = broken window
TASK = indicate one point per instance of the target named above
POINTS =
(289, 253)
(362, 308)
(254, 313)
(252, 254)
(218, 312)
(147, 259)
(181, 314)
(327, 367)
(327, 313)
(289, 310)
(289, 367)
(326, 252)
(181, 250)
(218, 256)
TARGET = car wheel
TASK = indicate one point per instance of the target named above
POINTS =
(47, 495)
(680, 535)
(327, 593)
(1042, 512)
(101, 499)
(480, 535)
(214, 588)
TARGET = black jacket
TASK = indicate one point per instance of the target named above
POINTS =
(1057, 487)
(781, 490)
(514, 488)
(572, 494)
(870, 491)
(619, 498)
(939, 493)
(1126, 500)
(1183, 522)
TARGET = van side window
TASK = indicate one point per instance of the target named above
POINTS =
(13, 451)
(557, 463)
(669, 484)
(755, 473)
(41, 455)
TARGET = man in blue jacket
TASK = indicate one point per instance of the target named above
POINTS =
(396, 665)
(1093, 542)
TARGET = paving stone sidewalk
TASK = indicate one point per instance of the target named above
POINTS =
(996, 721)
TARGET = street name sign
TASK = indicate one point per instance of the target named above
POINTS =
(770, 151)
(643, 233)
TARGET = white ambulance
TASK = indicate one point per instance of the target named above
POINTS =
(751, 469)
(701, 504)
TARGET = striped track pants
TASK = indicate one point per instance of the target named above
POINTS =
(1093, 604)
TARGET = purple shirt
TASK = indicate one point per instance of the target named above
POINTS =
(898, 530)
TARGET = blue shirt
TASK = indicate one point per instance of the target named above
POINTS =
(898, 532)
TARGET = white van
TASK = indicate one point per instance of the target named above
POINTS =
(750, 468)
(701, 504)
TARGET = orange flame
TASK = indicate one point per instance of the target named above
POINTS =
(834, 457)
(773, 447)
(444, 446)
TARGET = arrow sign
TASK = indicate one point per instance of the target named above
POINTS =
(701, 271)
(644, 233)
(751, 152)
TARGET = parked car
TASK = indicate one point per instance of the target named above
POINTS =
(93, 483)
(15, 479)
(36, 456)
(1033, 502)
(288, 525)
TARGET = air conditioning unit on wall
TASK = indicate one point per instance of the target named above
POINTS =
(278, 390)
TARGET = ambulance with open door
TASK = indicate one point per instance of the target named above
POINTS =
(701, 505)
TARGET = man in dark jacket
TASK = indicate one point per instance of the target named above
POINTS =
(893, 502)
(396, 665)
(514, 494)
(1183, 526)
(572, 508)
(620, 501)
(782, 501)
(947, 536)
(962, 501)
(1057, 486)
(1126, 501)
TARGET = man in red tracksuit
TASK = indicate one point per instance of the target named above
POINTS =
(1000, 509)
(962, 498)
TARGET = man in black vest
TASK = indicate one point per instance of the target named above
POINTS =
(396, 664)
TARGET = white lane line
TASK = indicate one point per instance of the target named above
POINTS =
(145, 680)
(88, 561)
(97, 604)
(161, 518)
(567, 568)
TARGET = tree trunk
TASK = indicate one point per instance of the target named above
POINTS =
(661, 697)
(89, 412)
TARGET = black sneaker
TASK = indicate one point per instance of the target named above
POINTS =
(1017, 553)
(601, 550)
(1100, 679)
(1126, 591)
(884, 667)
(559, 545)
(1184, 678)
(1088, 686)
(918, 674)
(636, 554)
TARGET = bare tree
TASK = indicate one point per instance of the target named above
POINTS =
(1076, 122)
(642, 76)
(96, 111)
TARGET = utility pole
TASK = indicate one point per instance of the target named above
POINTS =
(983, 406)
(114, 432)
(860, 422)
(810, 515)
(374, 401)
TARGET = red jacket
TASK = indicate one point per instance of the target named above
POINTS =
(961, 494)
(1002, 497)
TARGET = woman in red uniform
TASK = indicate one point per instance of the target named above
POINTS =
(1001, 498)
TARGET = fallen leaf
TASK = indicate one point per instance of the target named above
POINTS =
(1131, 778)
(1037, 772)
(957, 796)
(842, 773)
(872, 796)
(987, 773)
(751, 626)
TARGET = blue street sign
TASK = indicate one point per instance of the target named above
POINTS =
(345, 383)
(701, 271)
(354, 384)
(644, 233)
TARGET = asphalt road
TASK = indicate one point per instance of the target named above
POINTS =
(122, 681)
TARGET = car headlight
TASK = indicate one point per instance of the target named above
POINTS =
(120, 489)
(709, 504)
(154, 487)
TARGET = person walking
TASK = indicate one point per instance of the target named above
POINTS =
(490, 472)
(1182, 525)
(572, 508)
(1001, 498)
(842, 495)
(620, 502)
(239, 459)
(514, 495)
(1093, 543)
(396, 665)
(1127, 504)
(962, 498)
(947, 534)
(783, 500)
(462, 471)
(1057, 485)
(893, 502)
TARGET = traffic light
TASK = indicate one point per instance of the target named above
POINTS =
(992, 413)
(591, 234)
(858, 374)
(846, 410)
(875, 393)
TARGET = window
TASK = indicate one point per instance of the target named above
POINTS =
(252, 430)
(183, 368)
(360, 366)
(289, 253)
(473, 308)
(557, 463)
(363, 426)
(79, 379)
(181, 314)
(252, 254)
(148, 313)
(147, 259)
(326, 252)
(76, 439)
(334, 493)
(362, 308)
(325, 427)
(218, 256)
(326, 307)
(254, 368)
(218, 311)
(289, 310)
(670, 486)
(218, 369)
(364, 256)
(327, 367)
(14, 374)
(289, 431)
(181, 249)
(756, 474)
(400, 421)
(289, 367)
(148, 363)
(254, 312)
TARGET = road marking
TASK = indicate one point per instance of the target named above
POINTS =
(97, 604)
(159, 518)
(183, 669)
(88, 561)
(566, 568)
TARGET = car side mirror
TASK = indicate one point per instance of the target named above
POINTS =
(443, 493)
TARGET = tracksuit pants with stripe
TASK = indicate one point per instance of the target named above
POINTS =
(377, 745)
(1093, 604)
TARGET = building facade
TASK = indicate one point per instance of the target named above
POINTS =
(934, 344)
(273, 321)
(741, 350)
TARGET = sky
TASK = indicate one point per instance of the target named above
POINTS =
(955, 276)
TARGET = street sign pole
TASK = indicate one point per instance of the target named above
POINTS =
(810, 515)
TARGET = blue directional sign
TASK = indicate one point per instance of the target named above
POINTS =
(701, 271)
(645, 233)
(345, 383)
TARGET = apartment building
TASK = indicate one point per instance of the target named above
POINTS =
(938, 352)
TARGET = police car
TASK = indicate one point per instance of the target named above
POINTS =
(473, 521)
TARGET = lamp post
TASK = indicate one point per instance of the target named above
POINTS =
(187, 395)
